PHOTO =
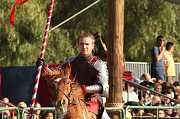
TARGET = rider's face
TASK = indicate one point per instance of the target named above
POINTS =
(86, 46)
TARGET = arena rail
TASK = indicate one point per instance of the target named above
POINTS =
(15, 115)
(122, 111)
(150, 108)
(32, 111)
(118, 110)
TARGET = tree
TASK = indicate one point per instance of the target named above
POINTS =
(144, 21)
(20, 45)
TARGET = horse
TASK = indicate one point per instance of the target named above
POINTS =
(67, 94)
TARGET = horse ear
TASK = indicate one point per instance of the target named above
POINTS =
(68, 68)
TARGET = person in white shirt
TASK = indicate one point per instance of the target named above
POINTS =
(130, 95)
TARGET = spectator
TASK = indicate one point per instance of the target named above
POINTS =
(147, 77)
(36, 114)
(128, 115)
(141, 97)
(177, 97)
(147, 81)
(166, 101)
(22, 105)
(5, 114)
(156, 100)
(145, 97)
(169, 62)
(177, 111)
(161, 114)
(134, 112)
(157, 65)
(148, 98)
(158, 88)
(130, 94)
(100, 49)
(176, 87)
(48, 115)
(169, 112)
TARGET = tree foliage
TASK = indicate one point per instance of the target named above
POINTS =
(144, 20)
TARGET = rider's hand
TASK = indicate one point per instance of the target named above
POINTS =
(40, 62)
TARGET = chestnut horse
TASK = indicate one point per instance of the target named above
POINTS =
(67, 95)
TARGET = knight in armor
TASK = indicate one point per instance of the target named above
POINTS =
(91, 73)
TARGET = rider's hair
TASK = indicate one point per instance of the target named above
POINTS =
(86, 34)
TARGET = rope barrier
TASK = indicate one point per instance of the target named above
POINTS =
(73, 16)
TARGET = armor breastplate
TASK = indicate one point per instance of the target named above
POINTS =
(84, 72)
(90, 71)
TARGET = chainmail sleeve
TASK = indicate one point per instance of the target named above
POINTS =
(101, 67)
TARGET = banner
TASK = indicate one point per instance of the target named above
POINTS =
(13, 10)
(16, 83)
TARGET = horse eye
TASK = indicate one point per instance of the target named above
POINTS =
(67, 82)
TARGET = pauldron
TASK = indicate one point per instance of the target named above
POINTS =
(103, 76)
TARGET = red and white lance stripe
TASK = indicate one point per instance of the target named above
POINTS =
(43, 49)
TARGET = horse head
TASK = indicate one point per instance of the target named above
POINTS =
(63, 89)
(58, 81)
(67, 93)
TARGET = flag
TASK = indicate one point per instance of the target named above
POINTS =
(13, 10)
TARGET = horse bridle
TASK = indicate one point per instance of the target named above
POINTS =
(68, 95)
(69, 81)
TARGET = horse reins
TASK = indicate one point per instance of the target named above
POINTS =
(66, 95)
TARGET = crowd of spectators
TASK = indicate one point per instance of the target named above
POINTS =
(158, 88)
(152, 93)
(25, 112)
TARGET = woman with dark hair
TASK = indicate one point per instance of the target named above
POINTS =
(157, 65)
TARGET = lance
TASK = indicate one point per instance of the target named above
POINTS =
(42, 52)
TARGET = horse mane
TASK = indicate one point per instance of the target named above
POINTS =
(54, 71)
